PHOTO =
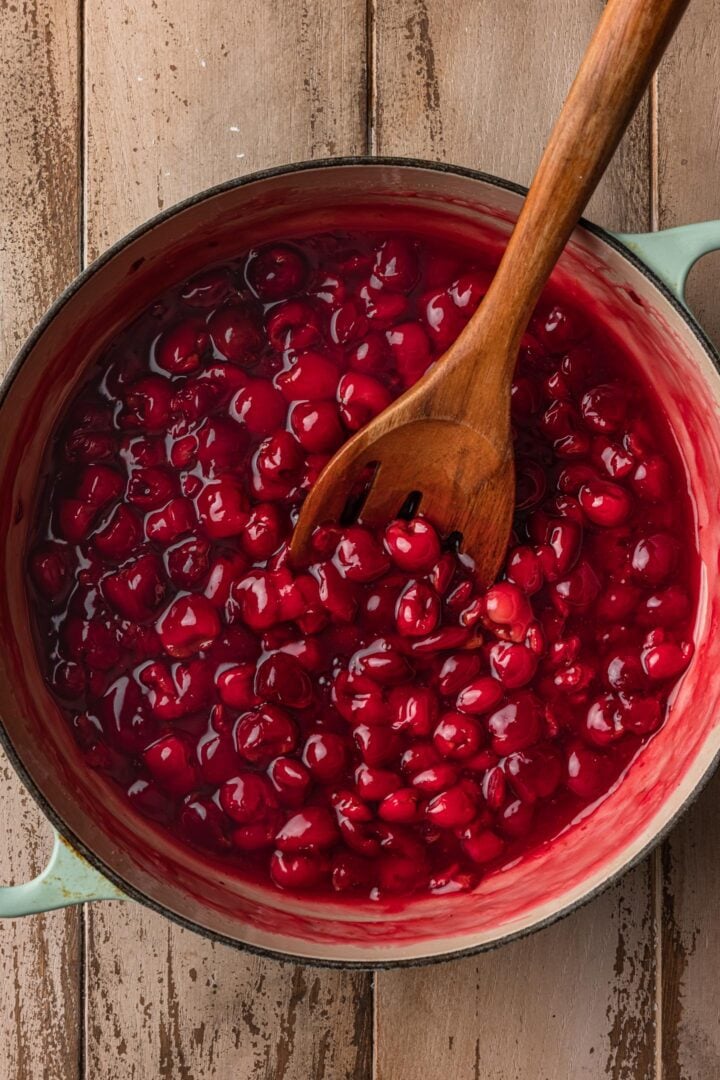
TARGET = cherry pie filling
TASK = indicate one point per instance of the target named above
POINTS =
(373, 723)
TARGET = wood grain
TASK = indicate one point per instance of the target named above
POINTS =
(687, 190)
(181, 95)
(466, 84)
(39, 215)
(481, 85)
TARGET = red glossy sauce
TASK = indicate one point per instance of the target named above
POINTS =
(373, 724)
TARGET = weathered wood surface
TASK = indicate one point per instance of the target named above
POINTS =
(39, 254)
(174, 96)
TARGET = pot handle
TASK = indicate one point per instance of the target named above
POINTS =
(672, 253)
(67, 879)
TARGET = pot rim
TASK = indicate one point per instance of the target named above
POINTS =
(130, 891)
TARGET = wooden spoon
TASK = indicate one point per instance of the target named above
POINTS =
(448, 437)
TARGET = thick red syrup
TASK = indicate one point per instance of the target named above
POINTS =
(375, 723)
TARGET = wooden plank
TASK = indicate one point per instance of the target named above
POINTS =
(181, 95)
(39, 214)
(480, 84)
(688, 165)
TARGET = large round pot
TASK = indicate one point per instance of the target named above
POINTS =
(123, 855)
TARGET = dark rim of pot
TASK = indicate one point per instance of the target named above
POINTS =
(129, 890)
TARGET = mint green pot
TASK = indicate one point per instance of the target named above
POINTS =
(251, 209)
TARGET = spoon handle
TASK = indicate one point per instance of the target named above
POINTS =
(618, 65)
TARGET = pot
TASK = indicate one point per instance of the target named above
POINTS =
(635, 283)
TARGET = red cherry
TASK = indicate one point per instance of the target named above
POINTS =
(294, 324)
(310, 377)
(247, 797)
(236, 333)
(265, 733)
(516, 725)
(276, 272)
(259, 406)
(222, 508)
(360, 398)
(412, 545)
(180, 349)
(359, 556)
(189, 625)
(316, 426)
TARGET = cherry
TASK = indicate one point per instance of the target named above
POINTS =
(666, 660)
(369, 355)
(479, 696)
(151, 801)
(517, 725)
(457, 736)
(604, 721)
(236, 333)
(605, 503)
(451, 809)
(189, 625)
(325, 756)
(484, 846)
(316, 426)
(276, 272)
(375, 784)
(360, 398)
(290, 780)
(169, 762)
(50, 570)
(412, 545)
(654, 559)
(310, 377)
(147, 404)
(180, 349)
(513, 665)
(443, 319)
(295, 871)
(137, 588)
(557, 328)
(280, 678)
(310, 828)
(294, 324)
(359, 556)
(207, 289)
(120, 534)
(90, 446)
(417, 610)
(264, 733)
(396, 266)
(259, 406)
(412, 709)
(164, 526)
(247, 797)
(435, 778)
(400, 806)
(588, 772)
(218, 760)
(410, 349)
(151, 487)
(382, 306)
(603, 408)
(222, 508)
(201, 821)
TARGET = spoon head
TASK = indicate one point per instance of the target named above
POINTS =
(455, 476)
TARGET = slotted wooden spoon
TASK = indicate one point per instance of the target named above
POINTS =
(448, 437)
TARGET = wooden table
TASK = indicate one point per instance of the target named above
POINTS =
(114, 109)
